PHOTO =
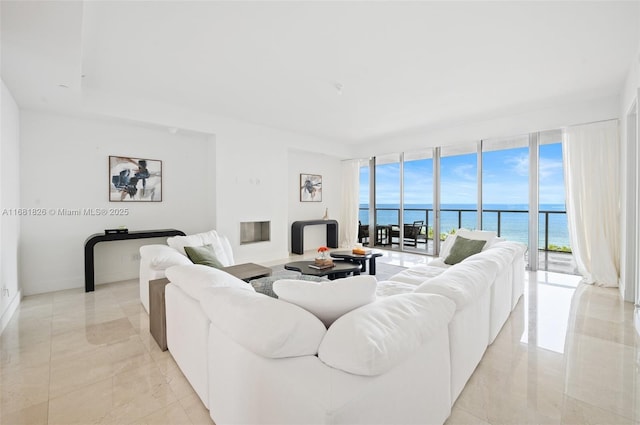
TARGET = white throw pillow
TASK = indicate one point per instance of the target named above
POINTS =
(264, 325)
(372, 339)
(193, 278)
(179, 242)
(445, 248)
(328, 300)
(479, 235)
(161, 257)
(482, 235)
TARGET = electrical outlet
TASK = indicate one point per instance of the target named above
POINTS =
(5, 292)
(135, 257)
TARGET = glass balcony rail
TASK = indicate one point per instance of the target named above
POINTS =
(391, 217)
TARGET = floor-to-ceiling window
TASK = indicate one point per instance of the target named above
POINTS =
(387, 197)
(458, 188)
(553, 235)
(505, 187)
(418, 217)
(422, 196)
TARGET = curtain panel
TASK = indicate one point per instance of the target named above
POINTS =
(591, 155)
(350, 203)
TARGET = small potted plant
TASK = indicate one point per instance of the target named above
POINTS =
(323, 258)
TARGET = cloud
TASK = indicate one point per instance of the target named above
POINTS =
(551, 168)
(519, 164)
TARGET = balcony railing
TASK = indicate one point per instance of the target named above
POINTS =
(424, 214)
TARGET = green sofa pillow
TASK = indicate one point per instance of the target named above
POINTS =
(463, 248)
(203, 255)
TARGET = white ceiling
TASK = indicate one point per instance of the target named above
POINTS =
(403, 65)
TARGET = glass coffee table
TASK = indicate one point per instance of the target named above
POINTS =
(339, 269)
(359, 259)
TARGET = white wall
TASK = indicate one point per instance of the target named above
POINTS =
(252, 167)
(251, 177)
(9, 200)
(64, 164)
(330, 169)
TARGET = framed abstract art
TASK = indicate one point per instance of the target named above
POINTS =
(310, 188)
(135, 179)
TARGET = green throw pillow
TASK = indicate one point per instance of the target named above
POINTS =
(203, 255)
(463, 248)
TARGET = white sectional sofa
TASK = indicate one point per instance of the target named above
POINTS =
(155, 259)
(255, 359)
(403, 357)
(485, 287)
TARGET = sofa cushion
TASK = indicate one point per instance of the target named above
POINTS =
(464, 283)
(387, 288)
(328, 300)
(219, 243)
(193, 278)
(161, 257)
(264, 285)
(264, 325)
(463, 248)
(376, 337)
(417, 274)
(204, 255)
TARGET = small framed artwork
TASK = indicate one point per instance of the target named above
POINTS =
(310, 188)
(135, 179)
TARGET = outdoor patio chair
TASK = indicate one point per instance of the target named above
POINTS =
(363, 233)
(411, 232)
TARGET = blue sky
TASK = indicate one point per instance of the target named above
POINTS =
(505, 179)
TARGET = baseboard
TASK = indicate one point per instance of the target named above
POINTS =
(11, 309)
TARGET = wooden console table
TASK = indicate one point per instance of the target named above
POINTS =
(297, 234)
(89, 278)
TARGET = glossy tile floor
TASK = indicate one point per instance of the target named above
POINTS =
(568, 355)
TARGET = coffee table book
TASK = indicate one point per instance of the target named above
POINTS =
(321, 266)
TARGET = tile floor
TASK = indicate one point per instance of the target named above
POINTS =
(568, 355)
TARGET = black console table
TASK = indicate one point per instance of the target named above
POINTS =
(89, 278)
(297, 234)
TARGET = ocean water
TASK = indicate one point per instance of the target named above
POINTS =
(513, 225)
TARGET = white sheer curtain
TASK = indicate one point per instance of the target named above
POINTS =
(350, 203)
(591, 169)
